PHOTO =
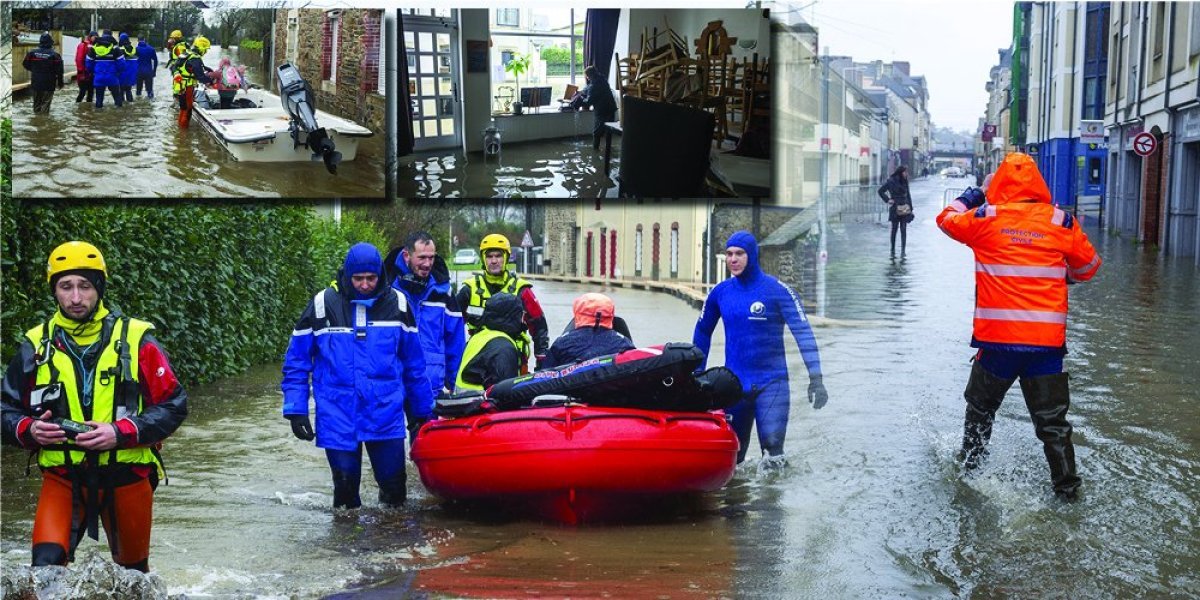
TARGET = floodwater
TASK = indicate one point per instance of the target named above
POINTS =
(870, 505)
(138, 150)
(565, 168)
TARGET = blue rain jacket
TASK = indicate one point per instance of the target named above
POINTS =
(147, 59)
(365, 363)
(439, 319)
(129, 68)
(106, 68)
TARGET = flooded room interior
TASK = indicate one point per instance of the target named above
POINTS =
(515, 103)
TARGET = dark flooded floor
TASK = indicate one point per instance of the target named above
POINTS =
(555, 169)
(138, 151)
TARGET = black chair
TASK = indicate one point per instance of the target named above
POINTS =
(664, 149)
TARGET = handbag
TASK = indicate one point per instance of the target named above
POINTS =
(903, 210)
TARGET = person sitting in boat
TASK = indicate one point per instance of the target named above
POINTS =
(592, 336)
(229, 79)
(190, 70)
(494, 251)
(492, 353)
(357, 346)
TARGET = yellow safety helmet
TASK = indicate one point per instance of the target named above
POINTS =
(201, 44)
(74, 256)
(177, 34)
(494, 241)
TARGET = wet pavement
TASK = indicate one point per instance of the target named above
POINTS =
(871, 504)
(138, 150)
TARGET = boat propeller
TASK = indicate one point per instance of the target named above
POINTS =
(300, 104)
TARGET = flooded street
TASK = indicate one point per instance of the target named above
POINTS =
(871, 505)
(138, 150)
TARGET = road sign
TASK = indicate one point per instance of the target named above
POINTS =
(1144, 143)
(1091, 132)
(825, 144)
(527, 241)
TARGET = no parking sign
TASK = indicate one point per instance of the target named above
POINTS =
(1144, 144)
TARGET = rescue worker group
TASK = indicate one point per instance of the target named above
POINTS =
(105, 65)
(91, 391)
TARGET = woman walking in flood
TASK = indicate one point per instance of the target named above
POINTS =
(894, 191)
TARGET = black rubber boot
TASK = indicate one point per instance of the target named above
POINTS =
(345, 491)
(393, 493)
(984, 394)
(1048, 398)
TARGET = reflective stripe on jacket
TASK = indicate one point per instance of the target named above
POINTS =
(1025, 253)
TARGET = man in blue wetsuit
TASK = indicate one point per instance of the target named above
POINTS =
(755, 306)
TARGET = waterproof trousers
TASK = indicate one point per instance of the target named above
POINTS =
(116, 93)
(387, 462)
(58, 525)
(146, 81)
(186, 99)
(1047, 398)
(85, 90)
(41, 101)
(768, 406)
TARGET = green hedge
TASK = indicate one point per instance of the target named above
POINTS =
(247, 44)
(223, 283)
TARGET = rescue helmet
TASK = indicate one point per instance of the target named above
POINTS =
(494, 241)
(201, 44)
(79, 258)
(177, 34)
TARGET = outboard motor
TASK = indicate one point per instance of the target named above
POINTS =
(301, 106)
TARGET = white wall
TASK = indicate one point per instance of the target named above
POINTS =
(476, 87)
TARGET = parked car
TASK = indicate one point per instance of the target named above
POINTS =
(466, 256)
(953, 172)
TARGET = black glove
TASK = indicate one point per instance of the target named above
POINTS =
(972, 197)
(301, 427)
(414, 425)
(817, 396)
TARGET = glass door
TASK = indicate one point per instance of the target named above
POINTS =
(431, 40)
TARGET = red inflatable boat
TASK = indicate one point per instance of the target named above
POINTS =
(576, 463)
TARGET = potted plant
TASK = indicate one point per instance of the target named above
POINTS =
(518, 64)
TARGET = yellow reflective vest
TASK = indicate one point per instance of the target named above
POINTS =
(474, 347)
(116, 368)
(479, 297)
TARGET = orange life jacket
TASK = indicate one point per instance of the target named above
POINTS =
(1026, 250)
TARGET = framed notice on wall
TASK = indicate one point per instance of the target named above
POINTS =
(477, 56)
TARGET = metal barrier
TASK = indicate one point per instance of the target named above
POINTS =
(855, 203)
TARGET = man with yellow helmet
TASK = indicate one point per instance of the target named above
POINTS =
(188, 70)
(494, 251)
(92, 393)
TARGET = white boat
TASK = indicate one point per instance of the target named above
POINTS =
(264, 133)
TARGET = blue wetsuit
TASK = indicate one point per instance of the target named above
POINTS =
(754, 307)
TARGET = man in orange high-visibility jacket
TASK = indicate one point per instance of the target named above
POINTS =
(1026, 252)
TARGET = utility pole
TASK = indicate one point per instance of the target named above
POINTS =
(822, 255)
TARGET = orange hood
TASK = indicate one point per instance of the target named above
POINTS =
(1017, 180)
(592, 310)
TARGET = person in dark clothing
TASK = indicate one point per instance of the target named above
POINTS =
(894, 192)
(593, 334)
(129, 69)
(104, 59)
(83, 75)
(492, 354)
(45, 66)
(599, 95)
(147, 60)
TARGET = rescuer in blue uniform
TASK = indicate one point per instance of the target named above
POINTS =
(755, 306)
(357, 344)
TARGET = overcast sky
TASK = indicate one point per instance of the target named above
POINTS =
(953, 44)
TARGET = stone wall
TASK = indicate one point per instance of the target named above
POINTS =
(353, 94)
(561, 221)
(794, 264)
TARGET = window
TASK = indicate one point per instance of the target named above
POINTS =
(509, 17)
(329, 46)
(552, 40)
